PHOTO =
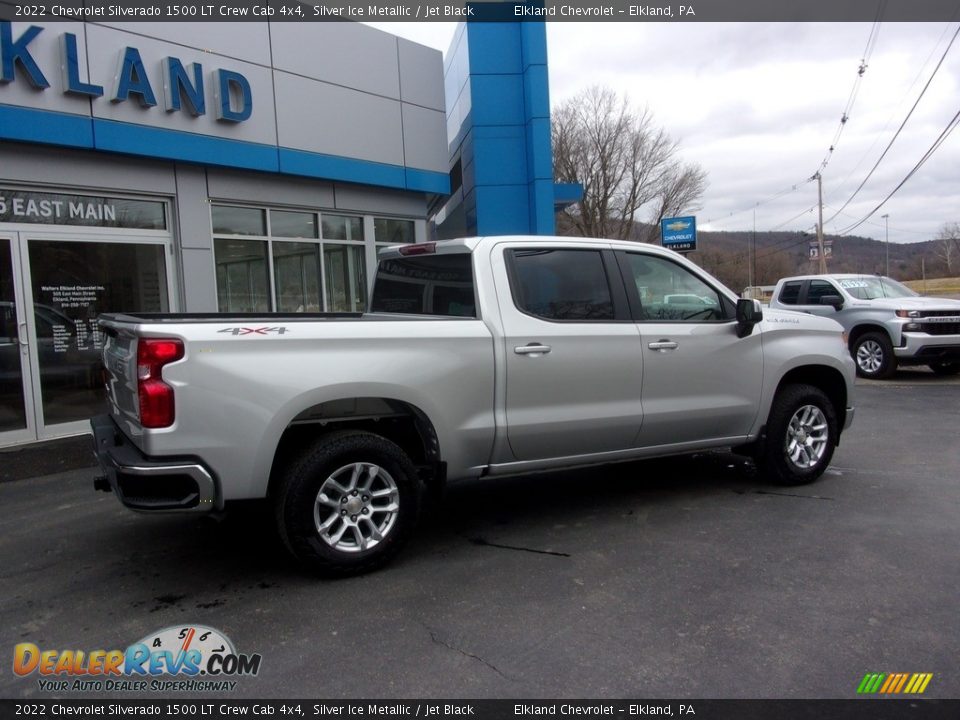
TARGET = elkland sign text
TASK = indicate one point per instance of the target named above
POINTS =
(182, 88)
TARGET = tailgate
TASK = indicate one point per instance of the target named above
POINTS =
(120, 365)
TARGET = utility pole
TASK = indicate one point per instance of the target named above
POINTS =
(886, 222)
(823, 258)
(752, 253)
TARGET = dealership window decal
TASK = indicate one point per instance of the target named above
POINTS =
(25, 206)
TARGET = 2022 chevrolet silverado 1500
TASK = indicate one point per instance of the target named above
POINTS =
(887, 323)
(484, 356)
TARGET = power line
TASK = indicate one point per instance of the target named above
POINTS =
(926, 156)
(899, 129)
(852, 98)
(886, 125)
(775, 196)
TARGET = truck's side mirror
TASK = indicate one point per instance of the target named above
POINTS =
(834, 301)
(749, 313)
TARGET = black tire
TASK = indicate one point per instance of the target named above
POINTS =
(301, 513)
(873, 355)
(774, 459)
(947, 367)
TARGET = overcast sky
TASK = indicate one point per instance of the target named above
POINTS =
(757, 106)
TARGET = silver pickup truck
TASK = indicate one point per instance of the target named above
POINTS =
(887, 323)
(484, 356)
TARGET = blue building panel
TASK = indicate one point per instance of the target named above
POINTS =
(503, 142)
(122, 137)
(536, 92)
(494, 48)
(541, 207)
(534, 44)
(502, 209)
(31, 125)
(501, 161)
(539, 149)
(497, 100)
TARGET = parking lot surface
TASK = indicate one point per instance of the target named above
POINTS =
(676, 578)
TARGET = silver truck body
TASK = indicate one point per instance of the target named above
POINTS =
(601, 393)
(921, 330)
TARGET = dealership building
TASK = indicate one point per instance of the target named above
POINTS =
(244, 167)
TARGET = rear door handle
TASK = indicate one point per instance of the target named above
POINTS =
(22, 335)
(532, 349)
(663, 345)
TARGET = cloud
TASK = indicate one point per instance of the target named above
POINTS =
(758, 105)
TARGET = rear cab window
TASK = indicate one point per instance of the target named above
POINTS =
(426, 285)
(790, 292)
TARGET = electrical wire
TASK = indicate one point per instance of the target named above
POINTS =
(852, 98)
(899, 129)
(886, 125)
(951, 126)
(776, 196)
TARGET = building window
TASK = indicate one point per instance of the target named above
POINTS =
(238, 221)
(346, 277)
(392, 231)
(296, 270)
(243, 283)
(289, 261)
(293, 224)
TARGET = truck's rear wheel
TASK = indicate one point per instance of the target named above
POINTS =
(801, 436)
(349, 503)
(873, 355)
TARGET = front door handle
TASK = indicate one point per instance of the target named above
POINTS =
(22, 334)
(532, 349)
(663, 345)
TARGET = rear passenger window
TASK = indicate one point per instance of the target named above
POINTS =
(790, 293)
(563, 285)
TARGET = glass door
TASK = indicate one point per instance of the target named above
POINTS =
(16, 398)
(70, 282)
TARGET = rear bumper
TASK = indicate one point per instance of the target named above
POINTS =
(149, 485)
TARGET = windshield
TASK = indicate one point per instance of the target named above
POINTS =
(870, 287)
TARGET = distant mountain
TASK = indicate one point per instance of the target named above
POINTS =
(729, 256)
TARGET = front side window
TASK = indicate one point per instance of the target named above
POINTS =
(561, 285)
(671, 293)
(819, 289)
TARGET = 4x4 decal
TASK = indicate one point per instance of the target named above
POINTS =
(254, 330)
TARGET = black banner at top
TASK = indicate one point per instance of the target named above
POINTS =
(492, 11)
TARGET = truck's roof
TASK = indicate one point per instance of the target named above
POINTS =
(470, 244)
(838, 276)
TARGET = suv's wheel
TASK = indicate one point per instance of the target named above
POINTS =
(873, 355)
(948, 367)
(801, 436)
(349, 503)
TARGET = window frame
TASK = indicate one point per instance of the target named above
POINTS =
(618, 296)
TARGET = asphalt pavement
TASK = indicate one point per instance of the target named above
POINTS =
(686, 577)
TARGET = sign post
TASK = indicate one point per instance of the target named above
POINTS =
(679, 233)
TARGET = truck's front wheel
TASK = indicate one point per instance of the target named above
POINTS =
(349, 503)
(801, 436)
(873, 355)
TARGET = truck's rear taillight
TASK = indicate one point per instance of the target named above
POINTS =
(156, 397)
(419, 249)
